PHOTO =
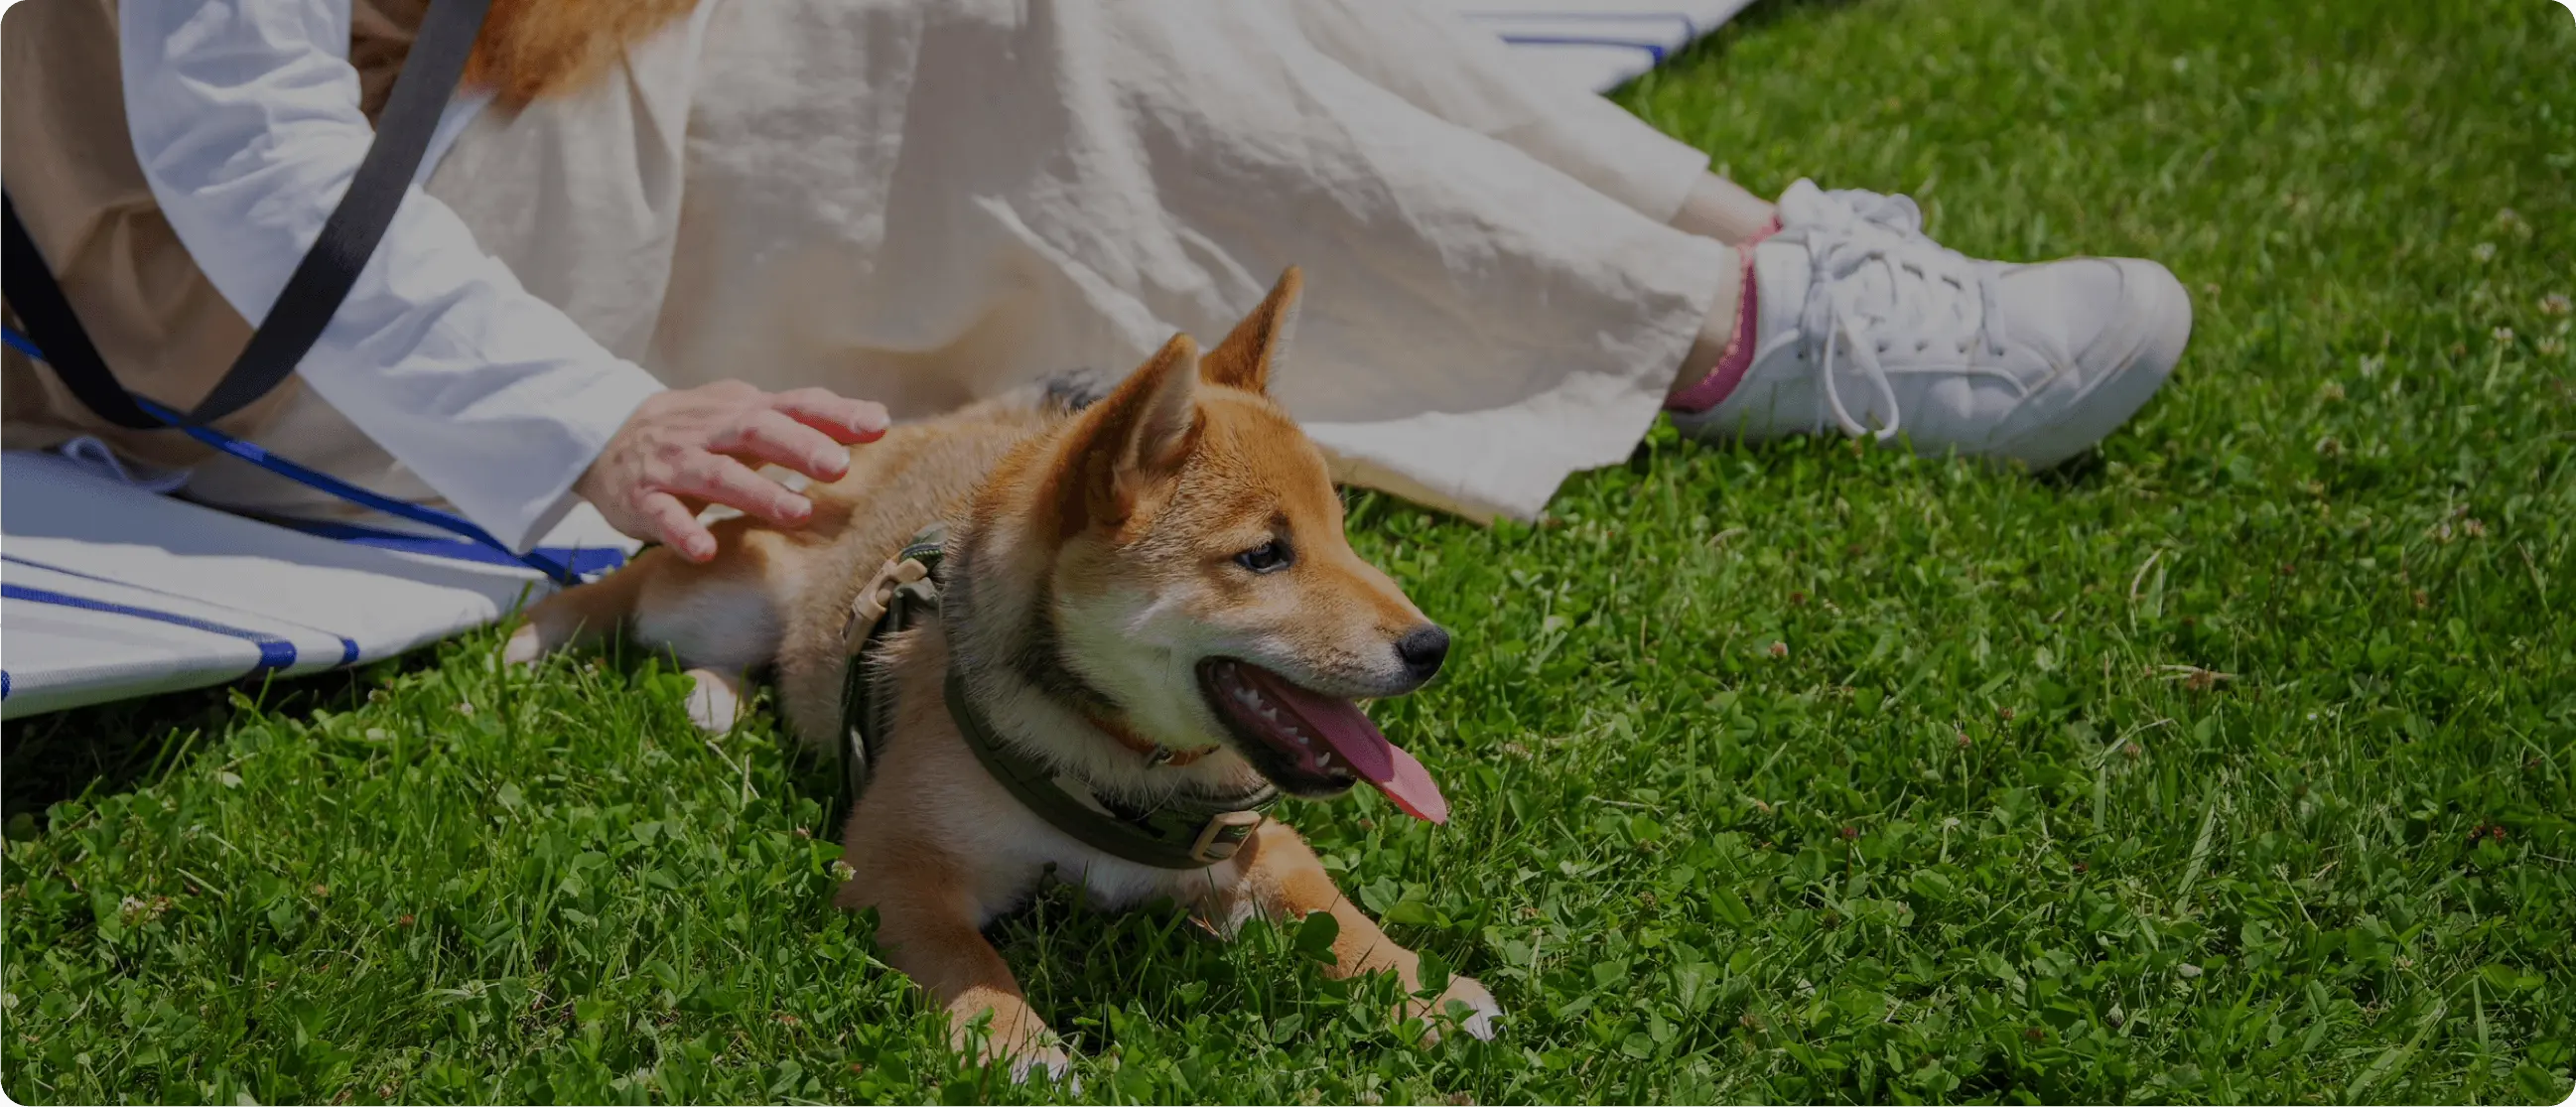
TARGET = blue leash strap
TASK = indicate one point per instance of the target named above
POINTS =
(557, 571)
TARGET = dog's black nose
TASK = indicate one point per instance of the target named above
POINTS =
(1423, 649)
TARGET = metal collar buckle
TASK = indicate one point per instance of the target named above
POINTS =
(1223, 836)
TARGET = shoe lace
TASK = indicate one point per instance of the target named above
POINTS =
(1876, 274)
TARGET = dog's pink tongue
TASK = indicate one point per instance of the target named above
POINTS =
(1376, 760)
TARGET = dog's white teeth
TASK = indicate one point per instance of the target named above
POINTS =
(1323, 761)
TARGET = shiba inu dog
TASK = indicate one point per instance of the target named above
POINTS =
(1150, 621)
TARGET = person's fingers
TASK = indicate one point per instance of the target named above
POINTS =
(676, 526)
(848, 421)
(779, 440)
(720, 479)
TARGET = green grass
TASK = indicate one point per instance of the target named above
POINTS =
(1796, 773)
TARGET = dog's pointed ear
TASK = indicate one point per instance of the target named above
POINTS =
(1166, 417)
(1259, 343)
(1140, 434)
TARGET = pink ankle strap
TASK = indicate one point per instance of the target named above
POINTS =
(1722, 378)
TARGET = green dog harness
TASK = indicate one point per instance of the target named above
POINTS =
(903, 593)
(1183, 832)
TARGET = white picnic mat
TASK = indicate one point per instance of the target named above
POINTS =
(1600, 44)
(110, 590)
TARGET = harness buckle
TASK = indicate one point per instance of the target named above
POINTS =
(876, 596)
(1223, 836)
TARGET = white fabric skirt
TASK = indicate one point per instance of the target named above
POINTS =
(928, 202)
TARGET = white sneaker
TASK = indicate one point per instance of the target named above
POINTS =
(1865, 325)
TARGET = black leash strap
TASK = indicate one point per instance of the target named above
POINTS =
(40, 305)
(320, 282)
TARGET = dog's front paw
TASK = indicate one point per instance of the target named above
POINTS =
(715, 701)
(1051, 1062)
(1477, 1019)
(1016, 1037)
(526, 646)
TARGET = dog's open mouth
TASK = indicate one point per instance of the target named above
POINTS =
(1313, 744)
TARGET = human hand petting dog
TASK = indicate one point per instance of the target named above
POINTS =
(688, 447)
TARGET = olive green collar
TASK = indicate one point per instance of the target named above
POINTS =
(1183, 832)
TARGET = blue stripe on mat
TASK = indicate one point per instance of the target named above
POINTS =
(274, 652)
(1653, 49)
(582, 560)
(348, 645)
(1690, 26)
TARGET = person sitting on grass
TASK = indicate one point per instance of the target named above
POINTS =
(664, 243)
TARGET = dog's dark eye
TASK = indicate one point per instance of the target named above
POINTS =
(1268, 557)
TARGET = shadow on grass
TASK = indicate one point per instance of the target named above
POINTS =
(813, 771)
(1767, 12)
(111, 747)
(2084, 470)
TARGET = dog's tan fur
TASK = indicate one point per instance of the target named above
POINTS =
(1109, 534)
(532, 48)
(526, 48)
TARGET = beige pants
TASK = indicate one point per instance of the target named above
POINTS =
(925, 202)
